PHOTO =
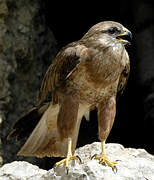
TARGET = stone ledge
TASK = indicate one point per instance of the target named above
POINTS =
(133, 164)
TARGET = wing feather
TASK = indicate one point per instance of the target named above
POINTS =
(55, 77)
(64, 65)
(123, 79)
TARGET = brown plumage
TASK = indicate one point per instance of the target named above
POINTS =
(85, 74)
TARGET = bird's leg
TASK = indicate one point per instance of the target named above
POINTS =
(69, 156)
(106, 116)
(66, 123)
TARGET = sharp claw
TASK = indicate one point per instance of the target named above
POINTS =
(115, 169)
(67, 170)
(93, 156)
(79, 158)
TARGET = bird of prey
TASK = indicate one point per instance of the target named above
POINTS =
(85, 75)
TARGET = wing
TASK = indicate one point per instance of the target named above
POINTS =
(65, 63)
(58, 72)
(123, 79)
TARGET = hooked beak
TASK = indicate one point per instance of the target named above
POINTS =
(125, 37)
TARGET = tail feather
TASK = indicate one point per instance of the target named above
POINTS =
(25, 125)
(44, 135)
(45, 141)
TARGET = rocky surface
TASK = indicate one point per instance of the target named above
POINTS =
(133, 164)
(27, 47)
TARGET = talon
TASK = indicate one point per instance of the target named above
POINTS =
(67, 170)
(66, 162)
(93, 156)
(104, 161)
(115, 169)
(78, 157)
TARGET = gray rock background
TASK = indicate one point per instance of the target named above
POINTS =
(27, 47)
(133, 164)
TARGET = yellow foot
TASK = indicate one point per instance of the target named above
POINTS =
(67, 160)
(105, 161)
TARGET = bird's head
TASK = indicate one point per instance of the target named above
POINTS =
(109, 32)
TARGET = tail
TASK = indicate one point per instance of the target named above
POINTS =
(45, 141)
(25, 125)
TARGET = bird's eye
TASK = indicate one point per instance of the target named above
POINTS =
(112, 30)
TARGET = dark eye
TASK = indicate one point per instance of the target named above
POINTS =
(112, 30)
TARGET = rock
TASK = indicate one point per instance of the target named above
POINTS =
(27, 47)
(133, 164)
(21, 170)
